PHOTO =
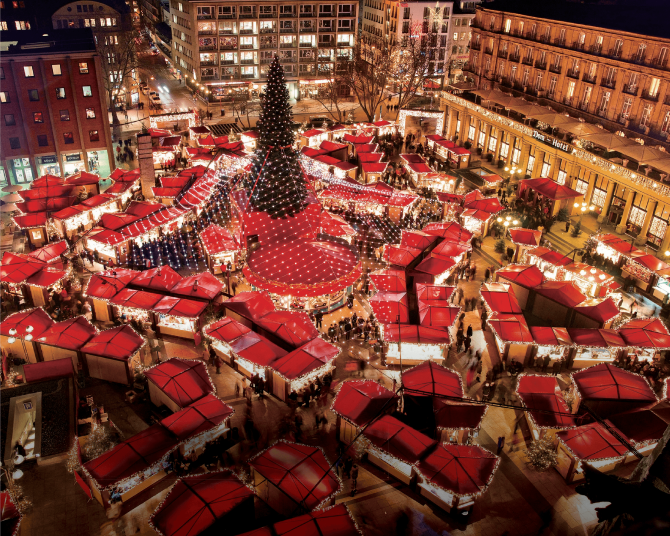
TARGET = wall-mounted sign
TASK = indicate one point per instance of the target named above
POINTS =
(73, 157)
(552, 141)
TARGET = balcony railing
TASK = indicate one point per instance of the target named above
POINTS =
(614, 53)
(247, 62)
(288, 30)
(559, 42)
(572, 74)
(209, 77)
(502, 54)
(577, 45)
(541, 65)
(476, 46)
(489, 50)
(208, 47)
(326, 14)
(206, 32)
(287, 45)
(307, 45)
(344, 44)
(248, 15)
(247, 76)
(286, 15)
(555, 69)
(638, 58)
(595, 49)
(648, 96)
(265, 46)
(515, 58)
(630, 90)
(660, 63)
(289, 60)
(227, 31)
(227, 15)
(202, 16)
(247, 47)
(207, 63)
(589, 79)
(308, 14)
(610, 84)
(268, 30)
(232, 46)
(272, 15)
(527, 61)
(327, 30)
(247, 31)
(227, 62)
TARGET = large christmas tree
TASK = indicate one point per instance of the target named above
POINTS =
(276, 180)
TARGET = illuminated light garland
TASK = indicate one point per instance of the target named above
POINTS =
(581, 397)
(402, 118)
(529, 413)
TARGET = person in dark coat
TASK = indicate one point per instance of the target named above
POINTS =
(468, 332)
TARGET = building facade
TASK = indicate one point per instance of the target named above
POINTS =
(54, 113)
(448, 24)
(228, 46)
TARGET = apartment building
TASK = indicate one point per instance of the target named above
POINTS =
(228, 46)
(446, 23)
(617, 79)
(53, 108)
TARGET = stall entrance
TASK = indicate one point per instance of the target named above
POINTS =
(24, 428)
(420, 126)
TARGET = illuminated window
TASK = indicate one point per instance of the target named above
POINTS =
(37, 117)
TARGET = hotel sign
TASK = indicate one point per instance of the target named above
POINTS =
(552, 141)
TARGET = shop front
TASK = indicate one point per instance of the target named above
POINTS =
(73, 163)
(47, 165)
(21, 170)
(98, 162)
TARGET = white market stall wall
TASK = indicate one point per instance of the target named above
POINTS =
(159, 398)
(17, 348)
(112, 370)
(51, 353)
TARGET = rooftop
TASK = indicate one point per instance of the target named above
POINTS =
(32, 42)
(644, 17)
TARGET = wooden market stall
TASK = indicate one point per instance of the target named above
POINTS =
(103, 286)
(178, 383)
(457, 422)
(396, 447)
(419, 343)
(220, 248)
(592, 346)
(137, 305)
(334, 521)
(179, 317)
(19, 331)
(514, 341)
(275, 471)
(646, 338)
(64, 340)
(113, 354)
(521, 278)
(357, 403)
(524, 239)
(454, 476)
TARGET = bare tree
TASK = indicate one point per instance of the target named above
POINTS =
(244, 109)
(378, 62)
(118, 59)
(334, 92)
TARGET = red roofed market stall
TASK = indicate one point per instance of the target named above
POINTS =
(178, 383)
(335, 521)
(64, 340)
(293, 478)
(113, 354)
(19, 331)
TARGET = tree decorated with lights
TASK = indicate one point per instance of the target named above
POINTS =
(542, 454)
(276, 180)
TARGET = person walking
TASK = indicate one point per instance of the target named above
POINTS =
(354, 478)
(545, 363)
(468, 332)
(217, 363)
(501, 445)
(567, 226)
(485, 317)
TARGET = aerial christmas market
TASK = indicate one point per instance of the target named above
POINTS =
(259, 339)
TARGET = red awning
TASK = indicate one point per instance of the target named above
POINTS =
(217, 239)
(374, 167)
(201, 285)
(546, 336)
(183, 381)
(170, 305)
(525, 237)
(390, 307)
(250, 305)
(566, 293)
(419, 168)
(120, 343)
(306, 359)
(360, 401)
(654, 264)
(143, 208)
(226, 329)
(136, 299)
(473, 195)
(596, 338)
(433, 292)
(301, 472)
(451, 415)
(399, 440)
(70, 334)
(437, 313)
(83, 178)
(291, 326)
(548, 188)
(601, 310)
(48, 370)
(416, 239)
(50, 252)
(134, 455)
(108, 284)
(335, 225)
(257, 349)
(390, 280)
(592, 441)
(522, 274)
(37, 219)
(428, 379)
(10, 515)
(16, 268)
(196, 502)
(203, 415)
(313, 132)
(46, 277)
(480, 215)
(607, 382)
(335, 521)
(356, 140)
(68, 212)
(511, 328)
(641, 426)
(626, 248)
(47, 180)
(487, 204)
(500, 298)
(117, 220)
(645, 333)
(37, 318)
(162, 278)
(542, 395)
(450, 231)
(400, 256)
(550, 256)
(435, 265)
(449, 249)
(407, 333)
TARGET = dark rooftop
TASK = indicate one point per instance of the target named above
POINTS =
(644, 17)
(31, 42)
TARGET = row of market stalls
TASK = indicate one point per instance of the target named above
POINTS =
(448, 151)
(281, 347)
(111, 355)
(434, 453)
(648, 273)
(161, 298)
(631, 411)
(579, 329)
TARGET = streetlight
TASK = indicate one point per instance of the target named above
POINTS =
(584, 207)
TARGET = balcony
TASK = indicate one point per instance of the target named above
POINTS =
(614, 53)
(231, 46)
(206, 32)
(247, 32)
(630, 90)
(286, 15)
(247, 47)
(502, 54)
(545, 39)
(272, 15)
(531, 35)
(327, 14)
(266, 61)
(610, 84)
(342, 44)
(247, 76)
(667, 100)
(268, 30)
(207, 63)
(248, 15)
(489, 51)
(573, 74)
(576, 45)
(559, 42)
(307, 28)
(662, 64)
(247, 62)
(265, 46)
(638, 58)
(595, 49)
(227, 62)
(589, 79)
(287, 45)
(227, 31)
(555, 69)
(209, 77)
(476, 45)
(289, 60)
(227, 15)
(515, 58)
(307, 14)
(602, 113)
(541, 65)
(528, 61)
(352, 14)
(288, 30)
(326, 30)
(307, 45)
(202, 16)
(648, 96)
(208, 47)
